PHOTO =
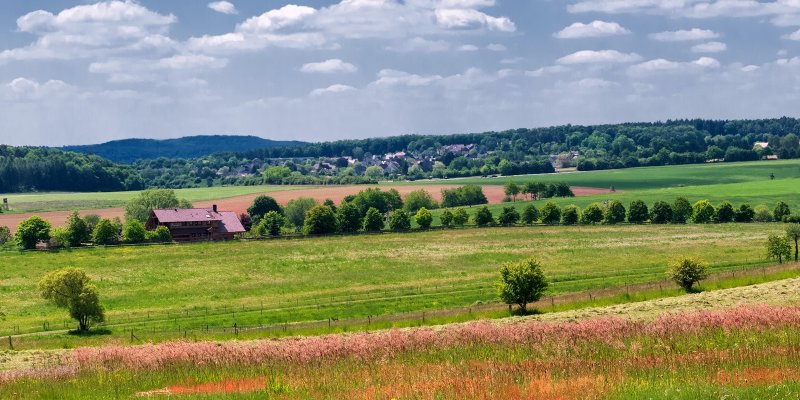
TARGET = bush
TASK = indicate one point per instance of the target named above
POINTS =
(446, 217)
(530, 214)
(419, 199)
(744, 213)
(681, 210)
(349, 217)
(105, 233)
(270, 224)
(460, 217)
(424, 218)
(778, 248)
(468, 195)
(399, 221)
(593, 214)
(296, 210)
(5, 235)
(134, 231)
(687, 272)
(59, 238)
(661, 213)
(570, 215)
(781, 210)
(484, 217)
(373, 220)
(615, 212)
(703, 212)
(78, 230)
(762, 214)
(522, 283)
(160, 235)
(509, 216)
(261, 206)
(551, 214)
(320, 220)
(724, 213)
(637, 212)
(31, 231)
(72, 289)
(91, 221)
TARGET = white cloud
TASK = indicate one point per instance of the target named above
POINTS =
(590, 30)
(793, 36)
(329, 66)
(684, 35)
(690, 8)
(468, 47)
(30, 89)
(136, 70)
(419, 44)
(710, 47)
(337, 88)
(599, 57)
(662, 65)
(472, 19)
(555, 69)
(496, 47)
(390, 77)
(224, 7)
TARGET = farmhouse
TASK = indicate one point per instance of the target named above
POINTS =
(196, 224)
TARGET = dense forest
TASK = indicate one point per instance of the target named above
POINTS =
(25, 169)
(411, 157)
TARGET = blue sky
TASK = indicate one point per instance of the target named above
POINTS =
(75, 72)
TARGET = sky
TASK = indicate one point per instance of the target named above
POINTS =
(80, 72)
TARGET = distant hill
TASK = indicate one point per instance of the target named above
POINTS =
(130, 150)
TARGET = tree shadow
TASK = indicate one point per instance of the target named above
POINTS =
(90, 332)
(521, 313)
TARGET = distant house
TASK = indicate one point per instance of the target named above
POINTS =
(196, 224)
(760, 145)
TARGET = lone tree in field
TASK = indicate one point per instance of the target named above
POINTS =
(522, 283)
(72, 289)
(31, 231)
(686, 272)
(793, 233)
(511, 190)
(781, 210)
(778, 248)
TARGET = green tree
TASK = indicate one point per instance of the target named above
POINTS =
(91, 221)
(320, 220)
(483, 216)
(373, 220)
(159, 235)
(703, 212)
(148, 200)
(393, 199)
(615, 212)
(681, 210)
(419, 199)
(460, 217)
(530, 214)
(778, 248)
(134, 231)
(522, 283)
(551, 214)
(446, 217)
(296, 210)
(262, 205)
(686, 272)
(570, 215)
(793, 234)
(509, 216)
(270, 224)
(424, 218)
(105, 233)
(724, 213)
(638, 212)
(349, 217)
(59, 238)
(5, 235)
(592, 214)
(511, 190)
(762, 213)
(744, 213)
(78, 230)
(72, 289)
(374, 172)
(781, 210)
(661, 213)
(399, 221)
(31, 231)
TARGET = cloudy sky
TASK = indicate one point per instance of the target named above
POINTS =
(74, 72)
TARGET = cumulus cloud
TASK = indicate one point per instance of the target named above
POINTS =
(551, 70)
(684, 35)
(793, 36)
(328, 66)
(599, 57)
(134, 70)
(332, 89)
(224, 7)
(710, 47)
(468, 47)
(30, 89)
(690, 8)
(496, 47)
(661, 65)
(591, 30)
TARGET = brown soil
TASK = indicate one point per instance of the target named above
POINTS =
(239, 204)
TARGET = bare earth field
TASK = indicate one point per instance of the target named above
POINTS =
(239, 204)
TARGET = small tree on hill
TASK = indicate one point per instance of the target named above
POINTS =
(511, 190)
(460, 217)
(550, 213)
(447, 218)
(744, 213)
(349, 217)
(373, 220)
(399, 221)
(781, 210)
(509, 216)
(724, 213)
(793, 234)
(72, 289)
(615, 212)
(484, 217)
(105, 233)
(424, 218)
(681, 210)
(703, 212)
(78, 230)
(762, 213)
(319, 220)
(530, 214)
(592, 214)
(570, 215)
(637, 212)
(262, 205)
(778, 248)
(522, 283)
(31, 231)
(419, 199)
(661, 213)
(686, 272)
(134, 231)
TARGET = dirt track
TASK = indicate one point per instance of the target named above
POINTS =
(239, 204)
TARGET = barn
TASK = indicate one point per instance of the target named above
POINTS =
(196, 224)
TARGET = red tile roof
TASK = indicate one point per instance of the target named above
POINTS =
(229, 221)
